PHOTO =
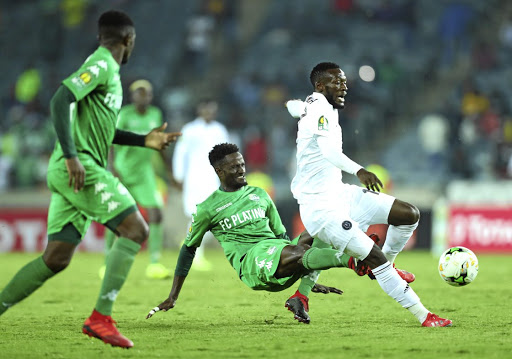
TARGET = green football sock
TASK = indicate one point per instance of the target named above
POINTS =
(324, 258)
(307, 282)
(110, 237)
(155, 242)
(119, 262)
(25, 282)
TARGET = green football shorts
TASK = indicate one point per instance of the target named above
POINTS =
(260, 264)
(145, 191)
(103, 199)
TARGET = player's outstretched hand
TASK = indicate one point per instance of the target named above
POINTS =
(318, 288)
(370, 180)
(76, 172)
(157, 139)
(162, 307)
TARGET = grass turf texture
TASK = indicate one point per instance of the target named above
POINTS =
(218, 317)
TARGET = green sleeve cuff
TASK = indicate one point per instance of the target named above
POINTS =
(185, 259)
(129, 138)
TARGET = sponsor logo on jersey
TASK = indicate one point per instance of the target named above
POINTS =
(254, 197)
(323, 124)
(223, 207)
(85, 77)
(242, 217)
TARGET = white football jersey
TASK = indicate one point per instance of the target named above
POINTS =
(315, 175)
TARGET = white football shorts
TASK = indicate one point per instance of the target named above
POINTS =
(342, 219)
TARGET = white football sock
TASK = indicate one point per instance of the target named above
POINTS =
(419, 311)
(399, 290)
(396, 238)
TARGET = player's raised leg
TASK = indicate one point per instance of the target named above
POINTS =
(361, 247)
(133, 230)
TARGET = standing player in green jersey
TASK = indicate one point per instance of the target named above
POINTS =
(84, 111)
(246, 223)
(134, 166)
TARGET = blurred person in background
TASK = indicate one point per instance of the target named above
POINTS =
(198, 40)
(339, 213)
(190, 165)
(82, 188)
(134, 167)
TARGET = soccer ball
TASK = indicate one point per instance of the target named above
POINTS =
(458, 266)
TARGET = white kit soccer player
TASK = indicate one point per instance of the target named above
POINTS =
(329, 208)
(339, 213)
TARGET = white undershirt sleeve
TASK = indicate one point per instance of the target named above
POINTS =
(334, 154)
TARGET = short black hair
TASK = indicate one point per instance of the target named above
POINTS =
(112, 25)
(319, 70)
(220, 151)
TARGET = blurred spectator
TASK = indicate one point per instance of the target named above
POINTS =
(342, 6)
(473, 102)
(490, 124)
(246, 90)
(506, 31)
(453, 29)
(484, 56)
(73, 12)
(274, 94)
(433, 135)
(255, 152)
(224, 12)
(198, 40)
(28, 85)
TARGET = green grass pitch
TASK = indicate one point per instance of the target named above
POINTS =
(218, 317)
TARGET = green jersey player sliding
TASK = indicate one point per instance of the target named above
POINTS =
(246, 223)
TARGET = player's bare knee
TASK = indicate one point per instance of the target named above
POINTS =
(295, 253)
(140, 232)
(411, 214)
(56, 263)
(403, 213)
(155, 215)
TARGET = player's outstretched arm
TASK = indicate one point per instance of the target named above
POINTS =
(170, 302)
(185, 259)
(157, 139)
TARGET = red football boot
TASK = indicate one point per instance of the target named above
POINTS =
(436, 321)
(298, 305)
(103, 327)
